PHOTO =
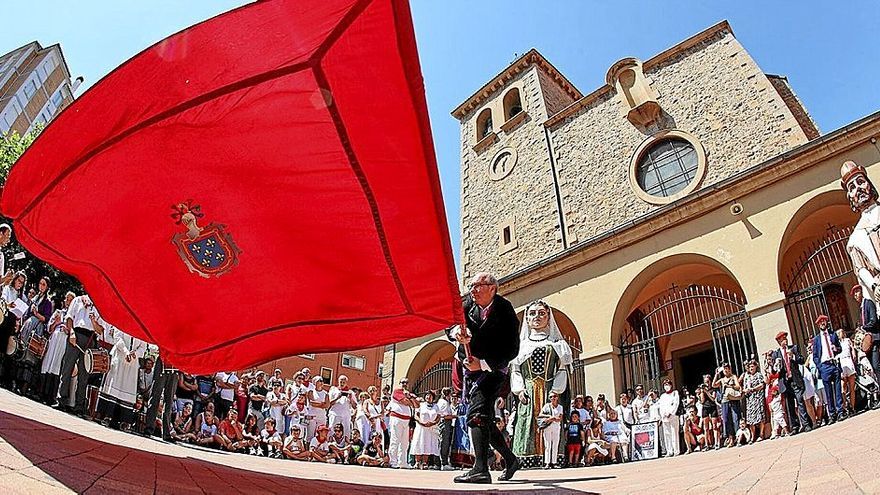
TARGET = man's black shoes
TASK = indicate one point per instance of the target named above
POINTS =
(512, 467)
(474, 477)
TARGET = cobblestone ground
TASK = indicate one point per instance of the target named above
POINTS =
(45, 451)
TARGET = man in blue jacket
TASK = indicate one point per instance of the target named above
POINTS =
(826, 346)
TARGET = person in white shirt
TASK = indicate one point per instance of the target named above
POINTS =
(278, 402)
(319, 446)
(640, 405)
(82, 317)
(319, 401)
(626, 416)
(400, 410)
(294, 446)
(667, 405)
(447, 416)
(270, 440)
(342, 404)
(551, 419)
(226, 384)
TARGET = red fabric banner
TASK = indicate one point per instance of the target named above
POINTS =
(259, 185)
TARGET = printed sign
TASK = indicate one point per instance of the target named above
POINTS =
(645, 441)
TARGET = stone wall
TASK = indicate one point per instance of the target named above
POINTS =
(526, 196)
(714, 90)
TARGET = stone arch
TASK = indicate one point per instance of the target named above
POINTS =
(679, 318)
(429, 355)
(484, 123)
(512, 103)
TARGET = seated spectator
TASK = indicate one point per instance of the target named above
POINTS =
(694, 436)
(374, 452)
(251, 433)
(574, 438)
(319, 446)
(207, 431)
(339, 444)
(182, 426)
(597, 447)
(271, 444)
(355, 447)
(294, 447)
(611, 432)
(230, 433)
(743, 435)
(202, 417)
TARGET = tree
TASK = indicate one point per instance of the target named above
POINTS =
(12, 146)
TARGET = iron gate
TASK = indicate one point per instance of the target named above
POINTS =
(680, 310)
(818, 272)
(437, 377)
(734, 340)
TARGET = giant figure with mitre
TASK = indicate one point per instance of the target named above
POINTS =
(864, 251)
(540, 367)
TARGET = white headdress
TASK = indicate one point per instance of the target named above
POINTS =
(553, 332)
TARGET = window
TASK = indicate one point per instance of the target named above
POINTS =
(58, 98)
(484, 124)
(355, 362)
(512, 104)
(307, 356)
(667, 168)
(30, 88)
(327, 375)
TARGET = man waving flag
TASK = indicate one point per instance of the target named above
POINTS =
(259, 185)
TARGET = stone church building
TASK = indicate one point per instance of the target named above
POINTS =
(675, 218)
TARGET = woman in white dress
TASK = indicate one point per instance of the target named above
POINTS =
(51, 367)
(361, 420)
(847, 359)
(426, 439)
(819, 399)
(119, 388)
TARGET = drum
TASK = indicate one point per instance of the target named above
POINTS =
(97, 361)
(37, 346)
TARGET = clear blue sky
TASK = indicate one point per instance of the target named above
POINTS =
(828, 50)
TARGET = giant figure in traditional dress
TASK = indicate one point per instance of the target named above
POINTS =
(864, 243)
(539, 368)
(864, 250)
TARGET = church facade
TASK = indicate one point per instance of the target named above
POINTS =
(675, 218)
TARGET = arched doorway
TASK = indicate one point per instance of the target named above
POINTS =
(432, 367)
(815, 271)
(684, 316)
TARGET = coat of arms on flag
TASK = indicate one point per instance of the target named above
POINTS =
(207, 251)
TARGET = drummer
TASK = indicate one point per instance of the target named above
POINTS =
(34, 327)
(82, 317)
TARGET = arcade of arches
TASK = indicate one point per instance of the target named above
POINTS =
(679, 298)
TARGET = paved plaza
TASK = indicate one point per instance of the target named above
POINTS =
(45, 451)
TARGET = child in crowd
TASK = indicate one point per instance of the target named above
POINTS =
(743, 435)
(597, 447)
(251, 433)
(207, 430)
(374, 452)
(777, 413)
(694, 436)
(271, 444)
(355, 447)
(339, 444)
(319, 446)
(574, 439)
(294, 447)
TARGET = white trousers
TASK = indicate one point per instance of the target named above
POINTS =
(669, 430)
(551, 443)
(319, 419)
(399, 445)
(345, 420)
(363, 426)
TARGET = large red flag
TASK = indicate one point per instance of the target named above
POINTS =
(259, 185)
